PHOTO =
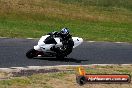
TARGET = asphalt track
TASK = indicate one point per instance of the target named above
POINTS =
(12, 54)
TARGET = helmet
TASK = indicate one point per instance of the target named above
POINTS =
(64, 31)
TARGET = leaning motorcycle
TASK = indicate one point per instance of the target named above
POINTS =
(52, 46)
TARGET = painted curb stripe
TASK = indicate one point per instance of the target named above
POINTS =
(12, 69)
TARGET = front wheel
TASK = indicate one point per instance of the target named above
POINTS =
(31, 53)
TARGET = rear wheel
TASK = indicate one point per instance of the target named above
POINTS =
(31, 53)
(60, 56)
(65, 50)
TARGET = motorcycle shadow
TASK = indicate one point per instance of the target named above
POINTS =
(61, 59)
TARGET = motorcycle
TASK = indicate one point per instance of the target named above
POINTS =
(52, 46)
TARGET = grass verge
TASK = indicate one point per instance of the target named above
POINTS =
(99, 20)
(66, 79)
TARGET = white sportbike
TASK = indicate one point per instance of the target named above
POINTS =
(52, 46)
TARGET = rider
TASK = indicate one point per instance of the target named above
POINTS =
(65, 37)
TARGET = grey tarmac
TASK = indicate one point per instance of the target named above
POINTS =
(12, 54)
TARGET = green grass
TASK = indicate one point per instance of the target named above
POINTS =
(99, 20)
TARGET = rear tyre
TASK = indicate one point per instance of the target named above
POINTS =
(60, 55)
(31, 53)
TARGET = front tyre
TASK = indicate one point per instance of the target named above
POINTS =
(31, 53)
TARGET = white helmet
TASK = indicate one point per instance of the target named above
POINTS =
(64, 31)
